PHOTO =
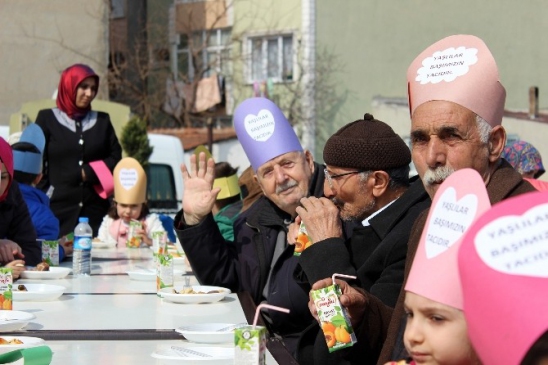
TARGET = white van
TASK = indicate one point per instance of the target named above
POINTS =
(165, 183)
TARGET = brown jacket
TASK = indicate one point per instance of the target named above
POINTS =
(381, 322)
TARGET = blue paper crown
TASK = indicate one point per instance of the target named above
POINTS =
(30, 162)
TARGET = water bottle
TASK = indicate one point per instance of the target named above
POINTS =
(81, 257)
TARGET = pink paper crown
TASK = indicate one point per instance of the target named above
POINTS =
(503, 263)
(460, 199)
(460, 69)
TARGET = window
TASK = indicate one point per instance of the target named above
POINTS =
(161, 195)
(213, 53)
(271, 58)
(117, 9)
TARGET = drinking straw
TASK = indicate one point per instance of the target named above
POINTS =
(341, 276)
(264, 305)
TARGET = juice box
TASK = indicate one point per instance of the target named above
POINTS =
(333, 317)
(6, 284)
(159, 239)
(164, 270)
(250, 345)
(134, 239)
(303, 241)
(50, 252)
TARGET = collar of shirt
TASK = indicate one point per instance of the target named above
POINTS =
(365, 222)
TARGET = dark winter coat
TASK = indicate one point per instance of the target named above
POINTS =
(244, 265)
(16, 225)
(375, 254)
(70, 147)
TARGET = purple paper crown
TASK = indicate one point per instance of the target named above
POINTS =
(263, 131)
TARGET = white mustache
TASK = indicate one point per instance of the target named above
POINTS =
(437, 175)
(288, 185)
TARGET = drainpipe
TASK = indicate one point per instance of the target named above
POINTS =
(308, 43)
(533, 102)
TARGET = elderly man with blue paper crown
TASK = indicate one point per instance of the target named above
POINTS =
(259, 260)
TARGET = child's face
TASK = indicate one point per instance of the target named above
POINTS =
(436, 333)
(128, 212)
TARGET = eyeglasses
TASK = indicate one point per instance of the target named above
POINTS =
(330, 177)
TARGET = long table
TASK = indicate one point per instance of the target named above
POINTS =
(107, 318)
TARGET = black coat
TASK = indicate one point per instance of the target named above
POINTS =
(64, 159)
(375, 254)
(16, 225)
(244, 265)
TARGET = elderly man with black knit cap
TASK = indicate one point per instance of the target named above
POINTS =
(367, 180)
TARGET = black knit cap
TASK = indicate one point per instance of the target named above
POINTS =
(367, 144)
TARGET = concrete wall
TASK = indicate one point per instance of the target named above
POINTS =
(376, 40)
(38, 39)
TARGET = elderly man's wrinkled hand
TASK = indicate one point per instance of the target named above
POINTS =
(353, 299)
(320, 217)
(199, 196)
(10, 251)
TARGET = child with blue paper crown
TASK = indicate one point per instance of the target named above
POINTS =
(130, 190)
(27, 166)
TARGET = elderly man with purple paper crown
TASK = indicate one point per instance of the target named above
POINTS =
(259, 260)
(456, 102)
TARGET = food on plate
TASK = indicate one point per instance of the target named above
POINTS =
(13, 341)
(21, 287)
(191, 291)
(43, 266)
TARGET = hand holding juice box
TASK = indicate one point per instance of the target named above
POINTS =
(6, 284)
(133, 238)
(303, 240)
(250, 341)
(333, 316)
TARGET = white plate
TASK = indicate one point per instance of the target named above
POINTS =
(219, 355)
(37, 292)
(148, 275)
(209, 332)
(27, 342)
(53, 273)
(167, 294)
(14, 320)
(101, 244)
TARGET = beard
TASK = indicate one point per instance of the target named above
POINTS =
(358, 214)
(437, 175)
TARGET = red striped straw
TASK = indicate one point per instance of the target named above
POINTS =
(341, 276)
(264, 305)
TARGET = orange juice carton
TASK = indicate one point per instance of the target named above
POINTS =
(133, 238)
(333, 316)
(159, 239)
(303, 240)
(250, 345)
(6, 284)
(250, 341)
(164, 269)
(50, 252)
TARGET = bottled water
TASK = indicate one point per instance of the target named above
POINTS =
(81, 257)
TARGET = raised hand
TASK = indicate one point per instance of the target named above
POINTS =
(199, 196)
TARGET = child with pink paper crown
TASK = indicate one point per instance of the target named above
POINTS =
(436, 330)
(130, 188)
(503, 266)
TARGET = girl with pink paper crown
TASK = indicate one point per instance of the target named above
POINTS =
(130, 187)
(436, 330)
(503, 266)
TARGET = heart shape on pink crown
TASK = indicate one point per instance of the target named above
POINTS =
(260, 127)
(448, 221)
(516, 244)
(128, 178)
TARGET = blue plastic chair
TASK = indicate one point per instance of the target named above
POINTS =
(167, 223)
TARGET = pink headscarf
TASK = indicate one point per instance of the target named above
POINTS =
(66, 92)
(6, 155)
